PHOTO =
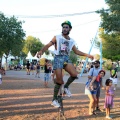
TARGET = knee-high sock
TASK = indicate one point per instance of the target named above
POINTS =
(56, 90)
(70, 80)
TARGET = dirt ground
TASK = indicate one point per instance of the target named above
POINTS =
(26, 99)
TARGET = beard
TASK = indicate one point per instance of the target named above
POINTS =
(67, 33)
(96, 66)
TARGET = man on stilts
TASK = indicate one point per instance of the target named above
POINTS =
(63, 45)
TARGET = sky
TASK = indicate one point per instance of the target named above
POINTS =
(84, 29)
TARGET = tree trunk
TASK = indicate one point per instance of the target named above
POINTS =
(6, 65)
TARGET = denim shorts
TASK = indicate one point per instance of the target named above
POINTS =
(93, 92)
(60, 61)
(46, 77)
(88, 91)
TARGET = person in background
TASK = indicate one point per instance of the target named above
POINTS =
(46, 73)
(32, 68)
(2, 71)
(38, 70)
(50, 67)
(94, 70)
(28, 68)
(53, 77)
(113, 75)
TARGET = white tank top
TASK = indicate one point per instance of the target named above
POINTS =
(64, 46)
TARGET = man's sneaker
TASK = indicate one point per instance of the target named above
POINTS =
(55, 103)
(67, 92)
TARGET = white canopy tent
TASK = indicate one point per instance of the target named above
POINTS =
(8, 59)
(29, 57)
(35, 57)
(49, 57)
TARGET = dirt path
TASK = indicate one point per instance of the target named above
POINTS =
(26, 99)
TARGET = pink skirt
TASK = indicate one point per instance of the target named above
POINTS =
(108, 101)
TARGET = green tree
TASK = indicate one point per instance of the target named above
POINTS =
(107, 65)
(110, 29)
(111, 45)
(32, 44)
(82, 57)
(11, 35)
(47, 52)
(111, 17)
(97, 56)
(73, 57)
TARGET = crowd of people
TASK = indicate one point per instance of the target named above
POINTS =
(32, 68)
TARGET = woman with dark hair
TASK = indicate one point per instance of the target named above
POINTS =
(91, 90)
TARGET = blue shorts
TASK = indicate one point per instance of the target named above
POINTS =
(88, 91)
(93, 92)
(46, 77)
(60, 61)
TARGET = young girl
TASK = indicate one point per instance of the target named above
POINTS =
(109, 94)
